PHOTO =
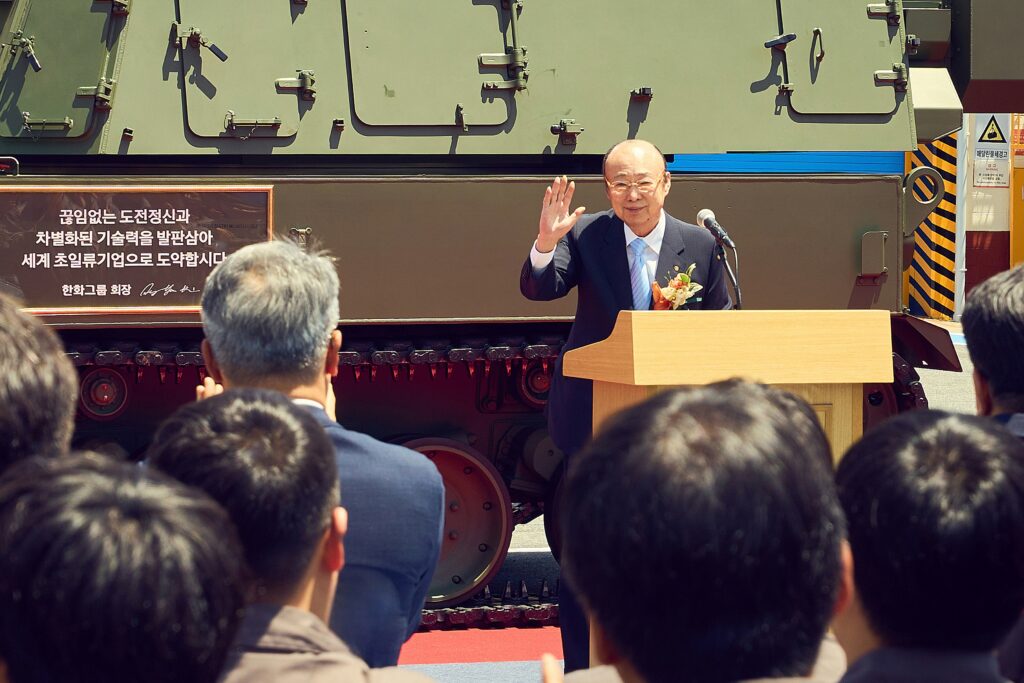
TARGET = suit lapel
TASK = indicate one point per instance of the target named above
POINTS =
(670, 259)
(613, 257)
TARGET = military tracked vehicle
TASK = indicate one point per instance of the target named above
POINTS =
(144, 140)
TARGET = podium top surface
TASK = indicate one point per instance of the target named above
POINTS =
(661, 348)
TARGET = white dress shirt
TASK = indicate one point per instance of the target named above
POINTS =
(653, 241)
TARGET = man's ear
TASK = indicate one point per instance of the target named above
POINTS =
(334, 541)
(982, 394)
(844, 594)
(333, 349)
(212, 367)
(602, 650)
(668, 182)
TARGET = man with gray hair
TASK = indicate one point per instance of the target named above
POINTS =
(270, 314)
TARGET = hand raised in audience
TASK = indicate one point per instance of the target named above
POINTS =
(208, 388)
(550, 671)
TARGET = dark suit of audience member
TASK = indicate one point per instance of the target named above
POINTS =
(270, 314)
(269, 463)
(993, 323)
(934, 504)
(611, 258)
(828, 668)
(113, 572)
(727, 541)
(383, 585)
(38, 388)
(909, 666)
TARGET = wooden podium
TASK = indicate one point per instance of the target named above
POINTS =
(824, 356)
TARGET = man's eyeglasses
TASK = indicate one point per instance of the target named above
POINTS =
(645, 186)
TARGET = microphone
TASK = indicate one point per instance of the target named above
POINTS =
(706, 218)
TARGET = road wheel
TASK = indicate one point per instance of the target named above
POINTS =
(477, 523)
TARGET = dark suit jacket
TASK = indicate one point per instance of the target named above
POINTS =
(1011, 653)
(894, 665)
(395, 502)
(592, 257)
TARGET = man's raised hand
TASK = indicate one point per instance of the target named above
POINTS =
(208, 388)
(555, 219)
(550, 669)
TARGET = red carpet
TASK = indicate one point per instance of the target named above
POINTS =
(482, 645)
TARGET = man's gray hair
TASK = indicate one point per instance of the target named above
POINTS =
(269, 309)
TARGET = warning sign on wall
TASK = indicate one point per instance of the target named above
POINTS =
(991, 150)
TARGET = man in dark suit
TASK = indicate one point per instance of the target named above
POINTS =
(270, 315)
(612, 257)
(598, 254)
(993, 322)
(934, 507)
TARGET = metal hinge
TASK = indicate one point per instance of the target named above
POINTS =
(233, 122)
(303, 83)
(193, 37)
(889, 10)
(119, 8)
(103, 92)
(897, 76)
(642, 94)
(27, 47)
(780, 42)
(515, 60)
(32, 125)
(567, 131)
(514, 57)
(301, 235)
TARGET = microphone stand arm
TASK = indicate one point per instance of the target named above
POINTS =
(721, 255)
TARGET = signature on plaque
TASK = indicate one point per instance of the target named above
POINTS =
(152, 289)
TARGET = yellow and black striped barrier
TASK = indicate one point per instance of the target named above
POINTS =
(931, 282)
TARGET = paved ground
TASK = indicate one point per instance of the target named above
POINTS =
(952, 391)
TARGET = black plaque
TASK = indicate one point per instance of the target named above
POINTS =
(122, 249)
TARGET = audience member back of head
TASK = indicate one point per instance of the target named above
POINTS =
(935, 510)
(270, 314)
(993, 324)
(269, 463)
(703, 533)
(38, 388)
(113, 573)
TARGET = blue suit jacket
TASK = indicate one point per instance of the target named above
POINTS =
(592, 257)
(395, 502)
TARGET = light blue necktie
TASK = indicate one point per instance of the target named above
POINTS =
(638, 277)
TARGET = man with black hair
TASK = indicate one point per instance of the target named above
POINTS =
(270, 316)
(934, 504)
(721, 559)
(111, 572)
(38, 388)
(269, 463)
(993, 324)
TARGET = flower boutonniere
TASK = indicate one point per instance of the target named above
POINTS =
(678, 291)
